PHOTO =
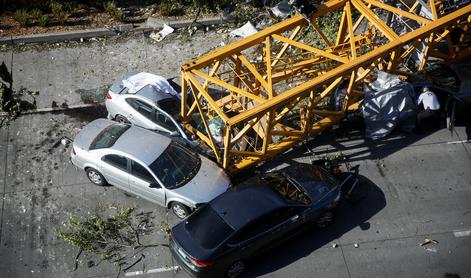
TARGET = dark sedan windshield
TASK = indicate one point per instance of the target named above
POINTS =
(176, 166)
(108, 136)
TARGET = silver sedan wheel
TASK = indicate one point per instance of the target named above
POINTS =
(95, 177)
(180, 210)
(121, 119)
(236, 269)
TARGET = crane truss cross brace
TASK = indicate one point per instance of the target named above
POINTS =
(259, 96)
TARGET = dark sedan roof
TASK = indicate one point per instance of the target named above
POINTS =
(245, 203)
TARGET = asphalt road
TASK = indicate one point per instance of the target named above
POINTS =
(416, 187)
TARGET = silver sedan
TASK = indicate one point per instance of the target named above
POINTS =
(147, 164)
(146, 100)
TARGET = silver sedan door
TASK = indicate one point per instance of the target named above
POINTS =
(143, 184)
(114, 168)
(144, 113)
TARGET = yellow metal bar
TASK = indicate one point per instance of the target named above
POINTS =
(183, 99)
(348, 67)
(208, 98)
(374, 20)
(268, 58)
(433, 8)
(286, 45)
(350, 30)
(210, 137)
(253, 70)
(227, 86)
(323, 36)
(398, 11)
(310, 48)
(342, 28)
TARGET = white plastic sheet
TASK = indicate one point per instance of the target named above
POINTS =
(247, 30)
(135, 82)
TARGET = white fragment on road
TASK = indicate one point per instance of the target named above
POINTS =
(462, 233)
(458, 142)
(155, 270)
(431, 249)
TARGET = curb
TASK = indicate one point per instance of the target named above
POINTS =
(151, 24)
(56, 109)
(157, 22)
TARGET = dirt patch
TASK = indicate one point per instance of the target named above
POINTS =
(87, 20)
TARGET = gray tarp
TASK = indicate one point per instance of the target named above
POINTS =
(388, 102)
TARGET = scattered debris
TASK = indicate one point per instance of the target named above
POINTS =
(162, 33)
(247, 30)
(428, 241)
(282, 9)
(116, 235)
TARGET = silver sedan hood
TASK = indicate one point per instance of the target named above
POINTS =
(209, 182)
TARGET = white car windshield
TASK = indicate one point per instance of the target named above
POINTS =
(176, 166)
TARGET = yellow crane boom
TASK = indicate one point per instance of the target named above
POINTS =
(257, 97)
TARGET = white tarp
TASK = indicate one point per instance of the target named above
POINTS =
(247, 30)
(388, 102)
(135, 82)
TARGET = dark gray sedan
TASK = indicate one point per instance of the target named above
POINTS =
(252, 217)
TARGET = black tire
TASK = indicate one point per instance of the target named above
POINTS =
(235, 269)
(325, 219)
(180, 210)
(121, 119)
(95, 177)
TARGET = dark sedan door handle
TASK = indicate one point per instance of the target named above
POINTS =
(294, 218)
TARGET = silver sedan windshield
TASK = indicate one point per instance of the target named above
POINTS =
(176, 166)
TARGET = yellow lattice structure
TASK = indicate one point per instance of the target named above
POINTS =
(258, 96)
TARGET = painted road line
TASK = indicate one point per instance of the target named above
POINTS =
(155, 270)
(462, 233)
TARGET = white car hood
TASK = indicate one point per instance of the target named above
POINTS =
(209, 182)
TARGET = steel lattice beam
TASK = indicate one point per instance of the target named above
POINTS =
(258, 96)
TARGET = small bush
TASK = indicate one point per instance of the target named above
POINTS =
(56, 8)
(36, 14)
(112, 10)
(170, 8)
(59, 13)
(42, 20)
(110, 7)
(72, 8)
(22, 17)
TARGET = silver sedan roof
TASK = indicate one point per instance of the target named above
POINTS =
(141, 143)
(138, 142)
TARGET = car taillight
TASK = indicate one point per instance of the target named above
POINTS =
(200, 263)
(108, 95)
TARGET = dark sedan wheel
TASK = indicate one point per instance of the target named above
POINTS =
(96, 177)
(325, 219)
(180, 210)
(235, 270)
(121, 119)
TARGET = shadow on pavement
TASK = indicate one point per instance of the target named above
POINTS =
(364, 204)
(350, 137)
